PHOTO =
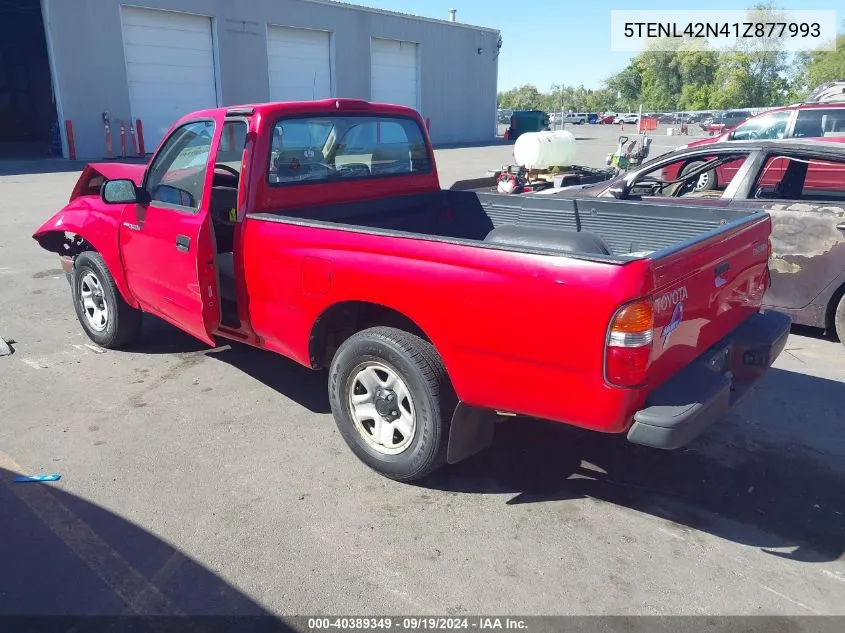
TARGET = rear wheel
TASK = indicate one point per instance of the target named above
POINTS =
(106, 318)
(705, 182)
(392, 402)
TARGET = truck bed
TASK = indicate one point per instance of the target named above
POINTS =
(608, 230)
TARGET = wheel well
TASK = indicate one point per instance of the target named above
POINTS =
(342, 320)
(64, 243)
(830, 317)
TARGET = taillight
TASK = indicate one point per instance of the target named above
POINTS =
(628, 345)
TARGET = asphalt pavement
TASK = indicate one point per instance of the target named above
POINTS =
(203, 481)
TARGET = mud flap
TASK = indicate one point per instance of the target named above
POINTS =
(471, 432)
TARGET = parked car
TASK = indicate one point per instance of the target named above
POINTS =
(318, 230)
(592, 118)
(576, 118)
(626, 118)
(725, 121)
(800, 183)
(607, 118)
(829, 92)
(808, 120)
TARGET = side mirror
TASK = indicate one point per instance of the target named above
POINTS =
(120, 191)
(619, 190)
(731, 136)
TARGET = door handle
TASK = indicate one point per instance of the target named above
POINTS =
(183, 243)
(841, 226)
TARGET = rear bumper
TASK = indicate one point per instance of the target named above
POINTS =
(680, 409)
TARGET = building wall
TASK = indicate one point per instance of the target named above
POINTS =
(458, 85)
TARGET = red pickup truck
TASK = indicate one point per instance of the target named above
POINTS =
(318, 230)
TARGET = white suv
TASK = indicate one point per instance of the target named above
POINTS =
(575, 117)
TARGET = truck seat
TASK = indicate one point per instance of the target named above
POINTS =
(391, 159)
(226, 274)
(222, 201)
(562, 240)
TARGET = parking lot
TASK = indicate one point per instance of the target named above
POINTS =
(201, 480)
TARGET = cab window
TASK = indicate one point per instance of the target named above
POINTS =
(177, 175)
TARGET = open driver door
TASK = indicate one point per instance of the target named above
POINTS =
(166, 236)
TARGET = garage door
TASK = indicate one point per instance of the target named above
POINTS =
(394, 72)
(169, 65)
(299, 64)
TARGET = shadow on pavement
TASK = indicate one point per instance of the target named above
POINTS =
(756, 489)
(65, 556)
(777, 482)
(305, 387)
(814, 332)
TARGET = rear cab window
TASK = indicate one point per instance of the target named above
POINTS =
(343, 147)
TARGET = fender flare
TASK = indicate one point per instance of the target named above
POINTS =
(98, 230)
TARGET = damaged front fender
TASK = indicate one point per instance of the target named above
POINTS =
(81, 226)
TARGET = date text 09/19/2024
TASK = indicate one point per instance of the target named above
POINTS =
(416, 623)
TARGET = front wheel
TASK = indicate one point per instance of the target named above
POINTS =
(106, 318)
(392, 402)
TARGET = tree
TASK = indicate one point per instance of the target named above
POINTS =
(752, 74)
(826, 66)
(627, 83)
(661, 79)
(526, 97)
(697, 67)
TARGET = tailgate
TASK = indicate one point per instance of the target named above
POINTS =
(704, 290)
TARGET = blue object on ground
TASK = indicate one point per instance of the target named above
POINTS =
(28, 478)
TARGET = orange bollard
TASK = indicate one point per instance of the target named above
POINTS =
(109, 153)
(140, 128)
(132, 138)
(71, 143)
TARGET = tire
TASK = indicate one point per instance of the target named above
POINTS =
(839, 320)
(706, 181)
(363, 365)
(119, 323)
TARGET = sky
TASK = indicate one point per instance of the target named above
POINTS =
(562, 41)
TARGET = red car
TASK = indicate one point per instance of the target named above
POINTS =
(318, 230)
(807, 120)
(725, 120)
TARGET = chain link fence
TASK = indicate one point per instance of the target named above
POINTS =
(687, 122)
